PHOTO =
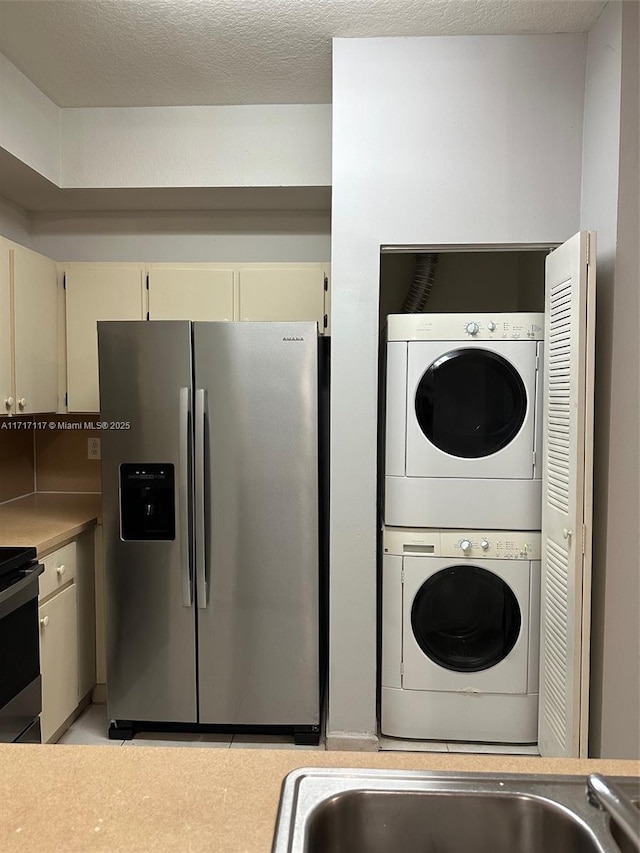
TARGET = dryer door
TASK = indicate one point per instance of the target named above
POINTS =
(466, 625)
(470, 409)
(470, 402)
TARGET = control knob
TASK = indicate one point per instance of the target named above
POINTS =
(465, 545)
(491, 326)
(484, 545)
(472, 328)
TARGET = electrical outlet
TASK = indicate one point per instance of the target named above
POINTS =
(93, 448)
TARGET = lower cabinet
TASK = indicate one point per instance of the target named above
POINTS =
(67, 633)
(58, 660)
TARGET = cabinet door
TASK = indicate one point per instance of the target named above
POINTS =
(85, 597)
(190, 293)
(58, 660)
(95, 292)
(35, 317)
(282, 293)
(6, 388)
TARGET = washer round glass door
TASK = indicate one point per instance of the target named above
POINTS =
(470, 403)
(465, 618)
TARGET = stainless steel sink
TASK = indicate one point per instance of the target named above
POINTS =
(384, 811)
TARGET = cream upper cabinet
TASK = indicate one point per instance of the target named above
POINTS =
(28, 331)
(282, 292)
(190, 292)
(95, 292)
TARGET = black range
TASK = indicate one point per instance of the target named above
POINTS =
(20, 682)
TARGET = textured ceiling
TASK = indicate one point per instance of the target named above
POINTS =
(108, 53)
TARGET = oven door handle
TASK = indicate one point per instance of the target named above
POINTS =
(15, 589)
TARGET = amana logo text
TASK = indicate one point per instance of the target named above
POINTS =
(293, 339)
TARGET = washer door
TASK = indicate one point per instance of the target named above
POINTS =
(470, 409)
(465, 624)
(465, 618)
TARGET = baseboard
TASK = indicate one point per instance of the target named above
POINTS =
(84, 703)
(99, 695)
(352, 742)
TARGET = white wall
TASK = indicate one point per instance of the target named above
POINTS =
(264, 145)
(197, 236)
(29, 122)
(435, 140)
(610, 205)
(209, 146)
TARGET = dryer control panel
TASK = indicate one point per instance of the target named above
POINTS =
(520, 326)
(490, 544)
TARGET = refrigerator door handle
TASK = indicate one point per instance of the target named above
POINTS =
(201, 575)
(183, 499)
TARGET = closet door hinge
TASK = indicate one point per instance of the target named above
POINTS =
(584, 538)
(402, 576)
(325, 321)
(402, 668)
(326, 283)
(588, 248)
(533, 461)
(147, 281)
(66, 399)
(64, 281)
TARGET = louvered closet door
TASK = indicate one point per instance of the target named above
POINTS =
(566, 497)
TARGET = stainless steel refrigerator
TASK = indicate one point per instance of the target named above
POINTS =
(212, 477)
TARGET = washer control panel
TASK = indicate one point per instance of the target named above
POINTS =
(465, 544)
(494, 544)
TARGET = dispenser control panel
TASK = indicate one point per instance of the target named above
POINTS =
(147, 501)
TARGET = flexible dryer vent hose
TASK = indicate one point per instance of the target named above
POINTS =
(422, 283)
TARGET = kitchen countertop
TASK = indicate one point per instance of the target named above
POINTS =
(47, 520)
(132, 799)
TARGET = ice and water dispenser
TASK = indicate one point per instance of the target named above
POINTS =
(147, 501)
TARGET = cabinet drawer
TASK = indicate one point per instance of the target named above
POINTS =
(59, 569)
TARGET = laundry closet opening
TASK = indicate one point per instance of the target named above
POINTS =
(466, 279)
(459, 500)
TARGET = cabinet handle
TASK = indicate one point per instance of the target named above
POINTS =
(9, 402)
(44, 621)
(61, 570)
(22, 402)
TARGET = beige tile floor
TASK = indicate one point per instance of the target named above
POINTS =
(92, 726)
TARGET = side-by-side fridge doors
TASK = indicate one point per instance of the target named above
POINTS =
(567, 497)
(145, 401)
(256, 522)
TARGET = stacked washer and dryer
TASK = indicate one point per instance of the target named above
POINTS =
(461, 541)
